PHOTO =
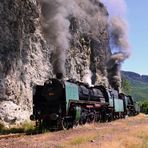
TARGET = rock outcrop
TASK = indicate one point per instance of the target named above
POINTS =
(26, 57)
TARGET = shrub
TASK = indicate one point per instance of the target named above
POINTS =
(1, 126)
(26, 127)
(144, 107)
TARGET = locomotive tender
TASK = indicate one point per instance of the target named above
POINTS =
(63, 104)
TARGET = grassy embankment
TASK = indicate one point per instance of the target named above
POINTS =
(129, 133)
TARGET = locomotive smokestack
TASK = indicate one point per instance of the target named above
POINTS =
(59, 76)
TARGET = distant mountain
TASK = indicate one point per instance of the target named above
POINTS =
(139, 84)
(135, 76)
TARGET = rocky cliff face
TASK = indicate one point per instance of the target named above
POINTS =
(26, 56)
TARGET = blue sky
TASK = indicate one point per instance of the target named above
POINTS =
(137, 17)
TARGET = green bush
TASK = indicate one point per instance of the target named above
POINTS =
(144, 107)
(1, 126)
(26, 127)
(126, 86)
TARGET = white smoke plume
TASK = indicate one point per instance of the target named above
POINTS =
(118, 27)
(87, 77)
(114, 59)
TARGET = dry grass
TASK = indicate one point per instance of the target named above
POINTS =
(129, 133)
(79, 140)
(132, 133)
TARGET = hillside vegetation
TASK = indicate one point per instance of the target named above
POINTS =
(138, 84)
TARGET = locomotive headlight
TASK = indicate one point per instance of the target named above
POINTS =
(32, 117)
(53, 116)
(50, 94)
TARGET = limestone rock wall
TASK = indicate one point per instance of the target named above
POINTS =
(25, 57)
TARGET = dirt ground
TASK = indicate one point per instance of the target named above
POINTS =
(131, 132)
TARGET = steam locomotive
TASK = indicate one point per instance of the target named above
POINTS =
(63, 104)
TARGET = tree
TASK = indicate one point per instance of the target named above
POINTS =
(144, 107)
(126, 86)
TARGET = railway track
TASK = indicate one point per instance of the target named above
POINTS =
(12, 135)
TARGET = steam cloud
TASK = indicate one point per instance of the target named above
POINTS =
(55, 24)
(87, 77)
(56, 27)
(118, 40)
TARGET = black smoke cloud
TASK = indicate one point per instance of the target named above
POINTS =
(55, 24)
(56, 28)
(119, 43)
